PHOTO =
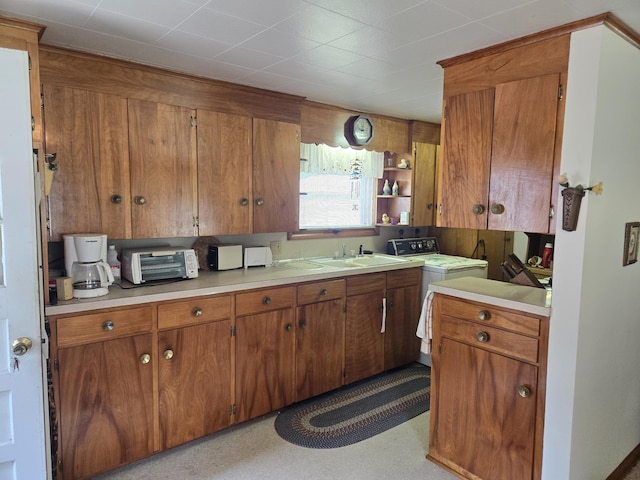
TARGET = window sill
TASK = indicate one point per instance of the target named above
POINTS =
(308, 234)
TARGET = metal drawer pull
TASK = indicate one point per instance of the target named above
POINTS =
(266, 300)
(524, 391)
(484, 315)
(108, 326)
(168, 354)
(482, 337)
(145, 358)
(323, 292)
(197, 312)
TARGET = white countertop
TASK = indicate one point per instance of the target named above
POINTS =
(536, 301)
(211, 283)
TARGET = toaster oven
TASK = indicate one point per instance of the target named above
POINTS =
(165, 263)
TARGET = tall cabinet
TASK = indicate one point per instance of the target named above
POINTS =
(502, 127)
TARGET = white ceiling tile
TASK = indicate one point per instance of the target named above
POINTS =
(125, 27)
(368, 68)
(269, 81)
(318, 24)
(329, 57)
(246, 57)
(221, 27)
(485, 8)
(280, 43)
(261, 12)
(192, 44)
(91, 41)
(69, 13)
(162, 12)
(367, 11)
(369, 41)
(221, 71)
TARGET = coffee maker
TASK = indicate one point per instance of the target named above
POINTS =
(85, 259)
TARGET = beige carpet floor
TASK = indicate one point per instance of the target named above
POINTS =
(254, 451)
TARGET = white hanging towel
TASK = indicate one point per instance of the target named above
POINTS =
(424, 330)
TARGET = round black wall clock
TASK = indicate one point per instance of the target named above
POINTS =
(359, 130)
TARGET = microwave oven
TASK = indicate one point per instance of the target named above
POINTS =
(143, 265)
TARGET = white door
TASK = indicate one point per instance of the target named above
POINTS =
(22, 420)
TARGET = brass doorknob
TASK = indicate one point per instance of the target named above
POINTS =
(21, 345)
(145, 358)
(197, 312)
(168, 354)
(482, 337)
(478, 209)
(524, 391)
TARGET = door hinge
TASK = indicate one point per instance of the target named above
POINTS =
(232, 409)
(30, 64)
(439, 348)
(233, 331)
(560, 91)
(344, 308)
(552, 212)
(56, 365)
(194, 121)
(196, 221)
(42, 100)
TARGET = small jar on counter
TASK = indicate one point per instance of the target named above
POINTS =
(547, 255)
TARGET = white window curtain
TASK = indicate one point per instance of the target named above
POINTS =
(323, 159)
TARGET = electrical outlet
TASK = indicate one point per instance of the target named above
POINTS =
(276, 247)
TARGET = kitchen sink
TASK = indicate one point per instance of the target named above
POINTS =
(302, 265)
(359, 262)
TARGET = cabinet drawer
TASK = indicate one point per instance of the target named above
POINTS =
(495, 340)
(193, 311)
(98, 327)
(492, 316)
(265, 300)
(404, 278)
(359, 284)
(321, 291)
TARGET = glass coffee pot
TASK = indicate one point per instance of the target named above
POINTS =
(91, 279)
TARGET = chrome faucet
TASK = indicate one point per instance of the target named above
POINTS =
(344, 250)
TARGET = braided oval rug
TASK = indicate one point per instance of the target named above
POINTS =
(359, 411)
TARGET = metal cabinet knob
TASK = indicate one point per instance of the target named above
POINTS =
(116, 199)
(266, 300)
(21, 345)
(497, 209)
(145, 358)
(108, 326)
(260, 201)
(482, 337)
(524, 391)
(139, 200)
(303, 323)
(484, 315)
(288, 327)
(323, 292)
(478, 209)
(197, 312)
(244, 202)
(167, 354)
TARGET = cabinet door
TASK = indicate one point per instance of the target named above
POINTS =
(424, 178)
(466, 155)
(276, 176)
(90, 191)
(106, 413)
(483, 424)
(319, 348)
(194, 381)
(225, 195)
(162, 155)
(524, 133)
(364, 343)
(265, 362)
(401, 345)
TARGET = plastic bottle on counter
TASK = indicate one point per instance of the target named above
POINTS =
(547, 254)
(114, 263)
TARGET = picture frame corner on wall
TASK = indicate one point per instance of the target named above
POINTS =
(631, 239)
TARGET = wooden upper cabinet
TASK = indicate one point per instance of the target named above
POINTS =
(424, 183)
(276, 176)
(162, 151)
(225, 195)
(522, 153)
(498, 156)
(90, 191)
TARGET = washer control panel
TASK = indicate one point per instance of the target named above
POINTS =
(413, 246)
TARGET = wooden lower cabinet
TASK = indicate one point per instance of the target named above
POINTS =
(105, 413)
(320, 336)
(194, 378)
(401, 345)
(265, 352)
(488, 385)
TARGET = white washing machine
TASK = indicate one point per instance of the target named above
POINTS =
(437, 266)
